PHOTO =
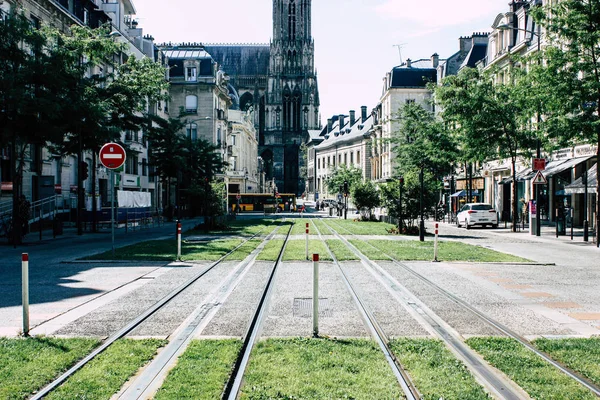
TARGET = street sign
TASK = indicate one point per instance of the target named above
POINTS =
(539, 179)
(539, 164)
(112, 155)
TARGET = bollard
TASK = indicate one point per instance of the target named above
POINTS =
(307, 241)
(435, 244)
(315, 295)
(178, 241)
(25, 292)
(557, 222)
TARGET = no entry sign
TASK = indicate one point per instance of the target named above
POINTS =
(112, 155)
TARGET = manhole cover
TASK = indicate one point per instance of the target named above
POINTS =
(303, 307)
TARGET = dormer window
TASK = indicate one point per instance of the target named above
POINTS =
(191, 74)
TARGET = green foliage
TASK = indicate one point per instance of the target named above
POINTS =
(202, 371)
(537, 377)
(318, 369)
(580, 354)
(411, 196)
(340, 250)
(342, 174)
(365, 197)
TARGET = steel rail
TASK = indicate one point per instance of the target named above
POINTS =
(377, 332)
(234, 382)
(495, 324)
(132, 325)
(499, 386)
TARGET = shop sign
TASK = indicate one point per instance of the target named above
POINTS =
(6, 186)
(58, 188)
(586, 150)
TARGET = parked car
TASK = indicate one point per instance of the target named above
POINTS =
(472, 214)
(330, 203)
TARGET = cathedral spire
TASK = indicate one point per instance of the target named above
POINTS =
(292, 21)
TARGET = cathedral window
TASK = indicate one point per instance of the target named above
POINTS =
(292, 21)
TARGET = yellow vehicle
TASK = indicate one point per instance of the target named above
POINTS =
(261, 202)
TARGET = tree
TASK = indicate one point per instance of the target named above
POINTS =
(32, 78)
(343, 173)
(492, 120)
(569, 77)
(365, 197)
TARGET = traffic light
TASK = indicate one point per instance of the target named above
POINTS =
(401, 180)
(83, 169)
(346, 187)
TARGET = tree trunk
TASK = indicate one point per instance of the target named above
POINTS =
(94, 206)
(514, 200)
(17, 232)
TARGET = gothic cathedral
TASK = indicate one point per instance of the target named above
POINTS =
(291, 105)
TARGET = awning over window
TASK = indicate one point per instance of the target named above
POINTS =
(552, 168)
(463, 193)
(578, 187)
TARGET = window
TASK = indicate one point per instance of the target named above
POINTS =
(128, 136)
(346, 158)
(190, 74)
(86, 17)
(152, 177)
(319, 163)
(144, 167)
(358, 157)
(233, 140)
(191, 104)
(410, 101)
(191, 131)
(352, 158)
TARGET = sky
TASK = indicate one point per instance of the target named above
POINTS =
(354, 39)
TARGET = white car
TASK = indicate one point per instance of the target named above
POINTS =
(472, 214)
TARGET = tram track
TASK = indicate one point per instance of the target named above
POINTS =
(456, 342)
(137, 321)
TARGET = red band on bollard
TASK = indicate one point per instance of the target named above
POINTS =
(178, 228)
(307, 225)
(315, 257)
(25, 257)
(437, 225)
(306, 230)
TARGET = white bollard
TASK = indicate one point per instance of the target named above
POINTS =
(307, 241)
(178, 241)
(315, 295)
(25, 292)
(435, 244)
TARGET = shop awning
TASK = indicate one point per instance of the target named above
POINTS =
(577, 187)
(463, 193)
(522, 175)
(556, 167)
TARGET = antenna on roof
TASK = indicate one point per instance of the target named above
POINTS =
(400, 47)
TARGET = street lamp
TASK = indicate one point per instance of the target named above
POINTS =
(539, 116)
(422, 223)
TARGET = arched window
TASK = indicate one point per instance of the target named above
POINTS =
(191, 104)
(292, 21)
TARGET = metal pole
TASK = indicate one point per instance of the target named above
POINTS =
(178, 241)
(307, 241)
(435, 244)
(112, 210)
(538, 215)
(422, 223)
(315, 295)
(400, 184)
(586, 232)
(25, 292)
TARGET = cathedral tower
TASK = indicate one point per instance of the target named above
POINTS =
(291, 105)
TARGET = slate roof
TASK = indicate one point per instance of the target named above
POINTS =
(476, 54)
(347, 134)
(419, 74)
(184, 54)
(241, 59)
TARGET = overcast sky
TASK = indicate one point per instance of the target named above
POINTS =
(354, 39)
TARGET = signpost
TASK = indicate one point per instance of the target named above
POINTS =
(539, 179)
(539, 164)
(112, 156)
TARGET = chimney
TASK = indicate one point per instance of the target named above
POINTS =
(352, 117)
(342, 122)
(465, 44)
(363, 113)
(329, 125)
(435, 60)
(408, 63)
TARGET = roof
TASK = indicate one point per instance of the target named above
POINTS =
(419, 74)
(578, 186)
(250, 59)
(476, 54)
(347, 134)
(184, 54)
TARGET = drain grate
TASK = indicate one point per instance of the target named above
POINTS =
(303, 307)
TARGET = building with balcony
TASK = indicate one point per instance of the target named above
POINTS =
(243, 175)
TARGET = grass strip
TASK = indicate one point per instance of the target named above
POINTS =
(243, 227)
(347, 226)
(271, 250)
(305, 368)
(436, 372)
(324, 229)
(166, 250)
(340, 250)
(296, 250)
(300, 227)
(532, 373)
(105, 375)
(201, 371)
(414, 250)
(581, 355)
(26, 365)
(244, 251)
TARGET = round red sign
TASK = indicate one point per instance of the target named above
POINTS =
(112, 155)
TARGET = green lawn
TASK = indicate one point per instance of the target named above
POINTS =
(244, 251)
(347, 226)
(414, 250)
(201, 371)
(27, 365)
(271, 250)
(324, 229)
(435, 371)
(244, 227)
(166, 250)
(581, 355)
(318, 369)
(532, 373)
(340, 250)
(296, 250)
(300, 227)
(105, 375)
